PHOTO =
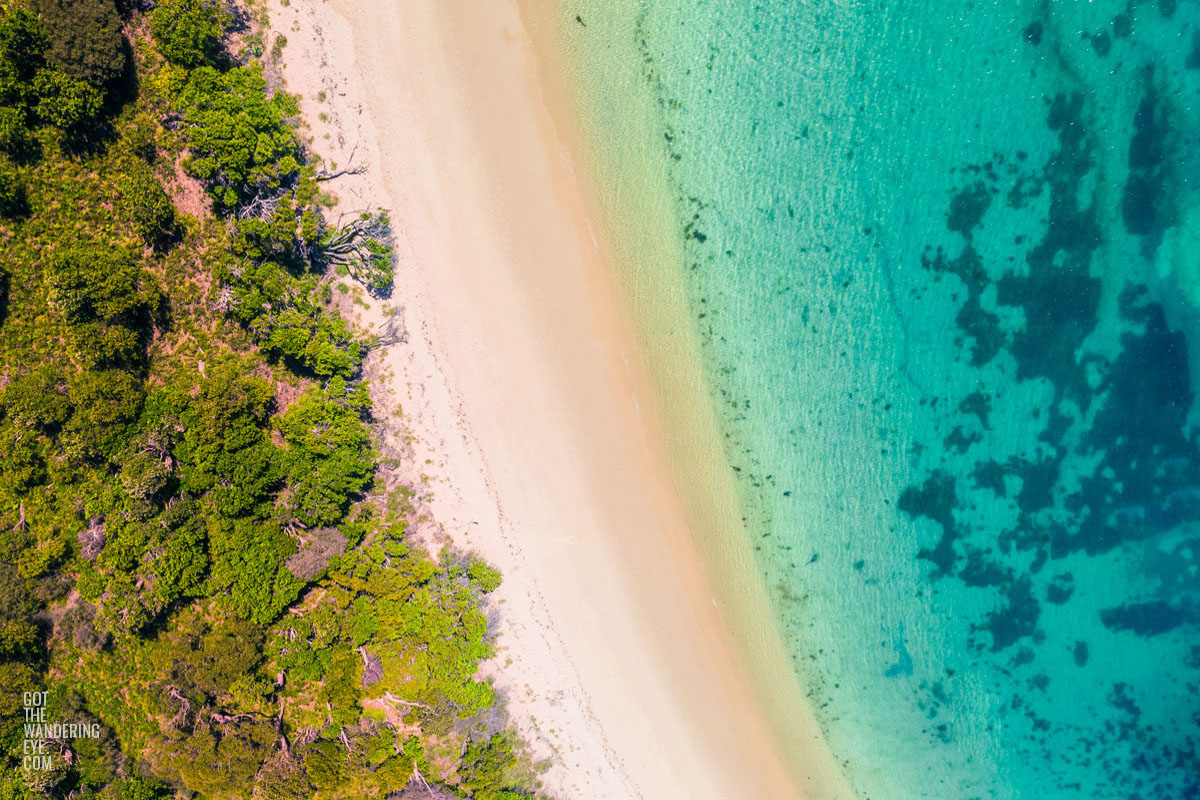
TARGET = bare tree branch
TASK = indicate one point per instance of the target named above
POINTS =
(350, 169)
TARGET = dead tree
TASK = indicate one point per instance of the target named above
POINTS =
(350, 169)
(394, 331)
(226, 301)
(391, 699)
(372, 667)
(185, 707)
(92, 538)
(363, 247)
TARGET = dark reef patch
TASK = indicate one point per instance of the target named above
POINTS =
(979, 404)
(984, 329)
(960, 440)
(1056, 428)
(903, 667)
(1122, 25)
(935, 500)
(968, 207)
(1033, 33)
(1058, 294)
(1037, 482)
(972, 319)
(1146, 206)
(982, 571)
(1151, 618)
(1017, 618)
(1060, 311)
(990, 475)
(1060, 588)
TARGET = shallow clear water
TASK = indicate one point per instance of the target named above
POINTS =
(944, 261)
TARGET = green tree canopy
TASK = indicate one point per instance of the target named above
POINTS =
(485, 767)
(13, 199)
(84, 38)
(22, 51)
(145, 203)
(330, 459)
(65, 101)
(238, 141)
(37, 399)
(106, 403)
(225, 450)
(189, 31)
(104, 296)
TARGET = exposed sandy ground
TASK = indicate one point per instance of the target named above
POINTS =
(522, 403)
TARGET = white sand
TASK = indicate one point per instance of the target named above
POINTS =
(523, 401)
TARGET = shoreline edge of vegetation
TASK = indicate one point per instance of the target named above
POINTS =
(200, 559)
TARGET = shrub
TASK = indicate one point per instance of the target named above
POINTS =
(22, 49)
(83, 38)
(21, 463)
(36, 400)
(189, 31)
(15, 138)
(93, 282)
(237, 136)
(145, 203)
(65, 101)
(330, 460)
(100, 294)
(106, 405)
(13, 202)
(485, 766)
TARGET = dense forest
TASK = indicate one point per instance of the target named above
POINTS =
(199, 564)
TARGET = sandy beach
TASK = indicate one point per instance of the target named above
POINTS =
(520, 402)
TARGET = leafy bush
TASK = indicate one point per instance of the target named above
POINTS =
(13, 200)
(65, 101)
(84, 38)
(37, 400)
(15, 138)
(145, 203)
(22, 465)
(485, 767)
(296, 328)
(224, 450)
(330, 460)
(248, 568)
(22, 50)
(22, 44)
(105, 405)
(189, 32)
(238, 141)
(103, 295)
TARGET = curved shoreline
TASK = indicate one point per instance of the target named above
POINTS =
(626, 184)
(526, 408)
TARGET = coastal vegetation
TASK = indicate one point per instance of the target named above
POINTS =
(198, 557)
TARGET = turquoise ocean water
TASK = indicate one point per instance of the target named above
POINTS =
(944, 260)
